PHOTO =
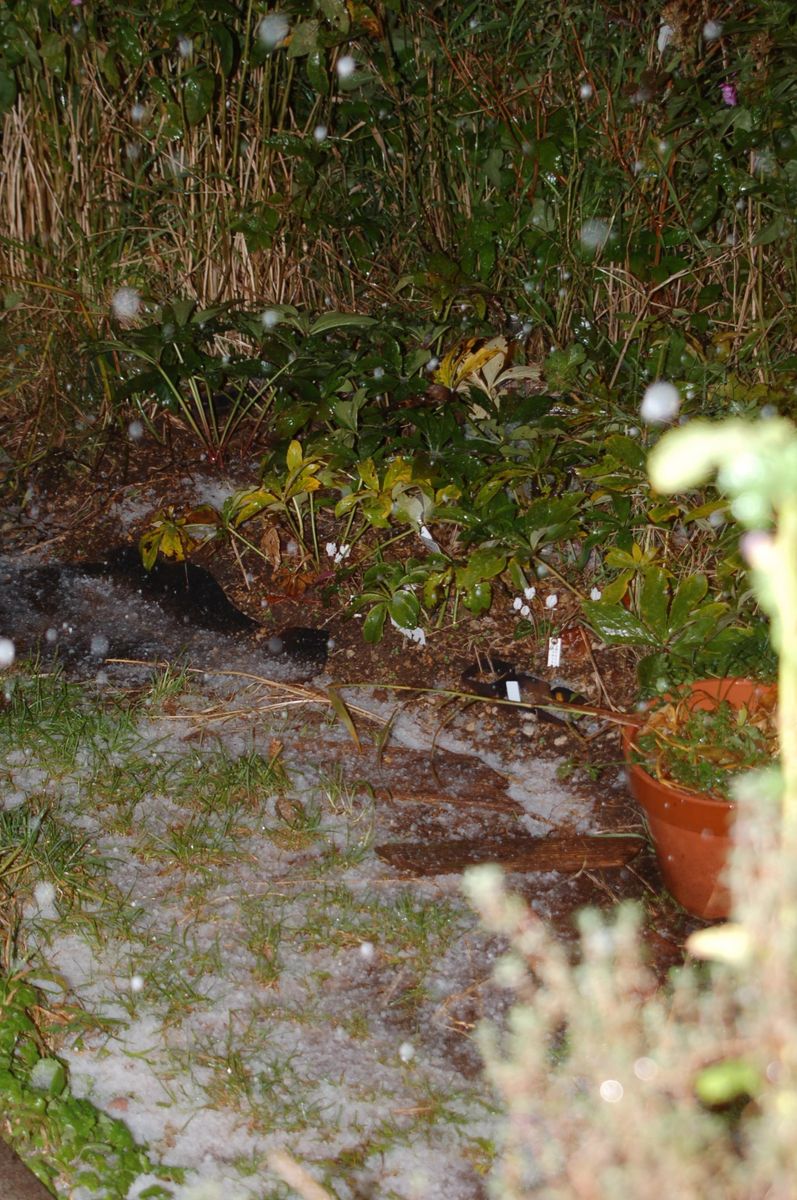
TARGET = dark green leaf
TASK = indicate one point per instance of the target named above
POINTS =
(688, 594)
(8, 90)
(304, 39)
(340, 320)
(374, 623)
(226, 44)
(654, 602)
(128, 44)
(404, 609)
(478, 598)
(616, 626)
(198, 90)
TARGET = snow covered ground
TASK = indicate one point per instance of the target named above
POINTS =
(254, 978)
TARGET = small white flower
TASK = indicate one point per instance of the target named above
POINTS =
(345, 66)
(530, 593)
(712, 30)
(552, 600)
(273, 29)
(525, 611)
(331, 549)
(343, 552)
(320, 133)
(126, 303)
(660, 403)
(595, 594)
(7, 652)
(517, 604)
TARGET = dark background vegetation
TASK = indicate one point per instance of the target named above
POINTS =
(308, 251)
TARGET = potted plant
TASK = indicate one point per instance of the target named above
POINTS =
(682, 756)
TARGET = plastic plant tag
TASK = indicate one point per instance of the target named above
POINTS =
(554, 651)
(428, 540)
(513, 690)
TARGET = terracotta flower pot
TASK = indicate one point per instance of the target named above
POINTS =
(692, 832)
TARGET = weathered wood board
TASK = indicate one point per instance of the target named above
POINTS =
(566, 853)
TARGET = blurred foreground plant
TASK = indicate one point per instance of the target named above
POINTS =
(613, 1085)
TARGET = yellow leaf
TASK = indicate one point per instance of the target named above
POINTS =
(470, 364)
(367, 472)
(294, 456)
(342, 712)
(172, 542)
(399, 471)
(249, 504)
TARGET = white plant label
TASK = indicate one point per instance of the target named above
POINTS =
(513, 690)
(428, 540)
(554, 651)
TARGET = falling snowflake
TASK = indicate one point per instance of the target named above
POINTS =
(7, 652)
(99, 645)
(273, 30)
(345, 66)
(666, 34)
(594, 234)
(660, 403)
(126, 303)
(712, 30)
